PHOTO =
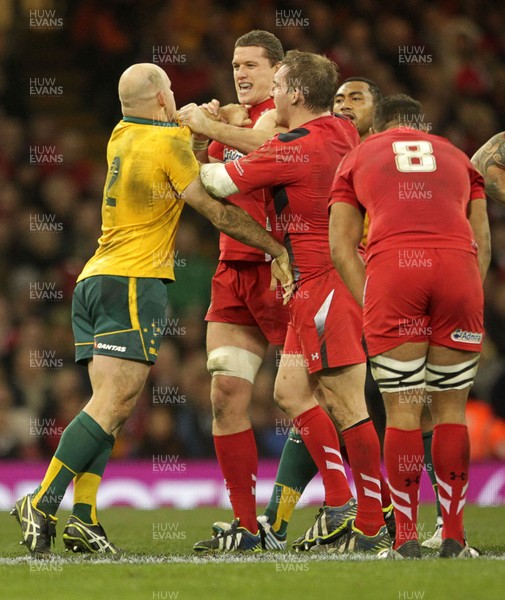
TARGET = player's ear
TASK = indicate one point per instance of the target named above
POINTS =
(297, 96)
(160, 97)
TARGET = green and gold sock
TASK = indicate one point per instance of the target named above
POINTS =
(296, 469)
(80, 443)
(87, 482)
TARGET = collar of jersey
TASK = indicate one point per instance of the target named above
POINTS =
(141, 121)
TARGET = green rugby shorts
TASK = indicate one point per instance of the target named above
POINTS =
(118, 316)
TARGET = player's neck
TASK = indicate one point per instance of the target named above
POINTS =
(305, 116)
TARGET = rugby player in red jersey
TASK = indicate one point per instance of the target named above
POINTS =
(244, 315)
(426, 255)
(323, 352)
(356, 98)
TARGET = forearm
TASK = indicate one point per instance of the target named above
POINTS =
(484, 254)
(235, 222)
(351, 269)
(245, 140)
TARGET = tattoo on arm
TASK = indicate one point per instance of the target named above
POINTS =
(492, 156)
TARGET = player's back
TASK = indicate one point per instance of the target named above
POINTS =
(416, 188)
(150, 164)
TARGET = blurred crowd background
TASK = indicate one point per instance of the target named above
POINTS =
(60, 61)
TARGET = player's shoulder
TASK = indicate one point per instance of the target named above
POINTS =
(293, 135)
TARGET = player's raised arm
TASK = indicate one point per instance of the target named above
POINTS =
(489, 160)
(235, 222)
(243, 139)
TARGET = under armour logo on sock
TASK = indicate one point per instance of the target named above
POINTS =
(454, 476)
(409, 481)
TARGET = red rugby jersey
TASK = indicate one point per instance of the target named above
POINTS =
(415, 186)
(299, 167)
(254, 203)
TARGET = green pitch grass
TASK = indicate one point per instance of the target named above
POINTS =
(160, 565)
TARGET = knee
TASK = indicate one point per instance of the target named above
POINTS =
(286, 399)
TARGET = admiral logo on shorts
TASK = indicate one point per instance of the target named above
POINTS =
(468, 337)
(102, 346)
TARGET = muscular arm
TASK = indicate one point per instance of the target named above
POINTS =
(477, 215)
(346, 231)
(235, 222)
(489, 160)
(243, 139)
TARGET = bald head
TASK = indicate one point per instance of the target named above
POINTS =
(144, 89)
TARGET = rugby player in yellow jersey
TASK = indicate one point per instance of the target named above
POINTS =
(121, 297)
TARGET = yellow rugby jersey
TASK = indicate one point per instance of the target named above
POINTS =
(366, 227)
(149, 165)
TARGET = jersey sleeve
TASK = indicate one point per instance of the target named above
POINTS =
(180, 163)
(216, 151)
(262, 168)
(343, 185)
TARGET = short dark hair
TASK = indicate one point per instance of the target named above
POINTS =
(263, 39)
(315, 76)
(372, 86)
(398, 108)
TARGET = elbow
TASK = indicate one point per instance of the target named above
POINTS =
(337, 258)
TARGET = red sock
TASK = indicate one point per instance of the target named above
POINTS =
(451, 458)
(404, 458)
(320, 437)
(385, 495)
(238, 459)
(364, 452)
